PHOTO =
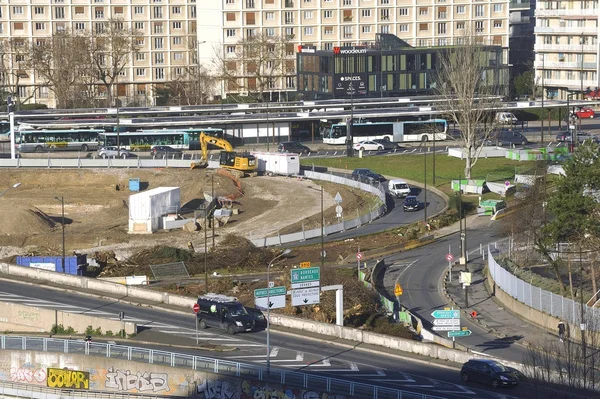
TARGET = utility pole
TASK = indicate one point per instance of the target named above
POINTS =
(542, 118)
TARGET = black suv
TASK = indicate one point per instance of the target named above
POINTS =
(411, 203)
(367, 175)
(490, 372)
(293, 146)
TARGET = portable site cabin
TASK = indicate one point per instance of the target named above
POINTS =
(147, 208)
(278, 163)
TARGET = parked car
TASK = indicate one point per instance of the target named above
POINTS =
(165, 150)
(506, 118)
(500, 137)
(113, 152)
(387, 144)
(411, 203)
(490, 372)
(585, 113)
(567, 136)
(367, 175)
(293, 147)
(260, 321)
(368, 145)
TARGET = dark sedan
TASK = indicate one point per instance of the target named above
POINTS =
(165, 150)
(411, 203)
(490, 372)
(387, 144)
(367, 175)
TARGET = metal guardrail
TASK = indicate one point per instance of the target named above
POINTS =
(210, 365)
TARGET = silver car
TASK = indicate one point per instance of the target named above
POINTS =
(113, 152)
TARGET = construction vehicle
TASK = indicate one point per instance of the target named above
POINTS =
(239, 164)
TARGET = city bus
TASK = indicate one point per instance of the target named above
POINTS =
(393, 131)
(144, 140)
(4, 131)
(57, 140)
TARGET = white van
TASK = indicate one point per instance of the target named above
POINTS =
(506, 118)
(398, 188)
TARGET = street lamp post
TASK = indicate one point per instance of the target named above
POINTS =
(543, 64)
(425, 189)
(322, 231)
(581, 41)
(62, 203)
(285, 252)
(10, 188)
(572, 131)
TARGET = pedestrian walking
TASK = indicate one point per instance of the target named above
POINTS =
(561, 331)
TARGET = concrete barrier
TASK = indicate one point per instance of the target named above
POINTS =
(21, 318)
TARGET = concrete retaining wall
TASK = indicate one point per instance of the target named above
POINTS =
(20, 318)
(89, 373)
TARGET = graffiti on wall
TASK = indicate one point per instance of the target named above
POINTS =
(251, 389)
(125, 380)
(27, 374)
(64, 378)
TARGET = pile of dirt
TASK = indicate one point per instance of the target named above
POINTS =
(24, 220)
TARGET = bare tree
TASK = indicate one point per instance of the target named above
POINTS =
(469, 82)
(257, 65)
(15, 58)
(113, 45)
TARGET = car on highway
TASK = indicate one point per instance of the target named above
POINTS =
(367, 175)
(387, 144)
(293, 147)
(113, 152)
(585, 113)
(411, 203)
(567, 136)
(165, 150)
(368, 145)
(500, 137)
(489, 372)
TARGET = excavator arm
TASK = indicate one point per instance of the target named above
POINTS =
(240, 164)
(205, 140)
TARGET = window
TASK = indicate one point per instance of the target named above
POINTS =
(159, 58)
(79, 25)
(497, 24)
(158, 42)
(159, 73)
(290, 82)
(18, 10)
(423, 27)
(118, 10)
(59, 12)
(140, 72)
(308, 15)
(348, 31)
(138, 26)
(140, 56)
(422, 11)
(177, 40)
(308, 30)
(79, 11)
(366, 13)
(177, 25)
(460, 26)
(158, 28)
(403, 12)
(366, 29)
(40, 26)
(385, 29)
(270, 16)
(179, 71)
(251, 32)
(138, 10)
(250, 4)
(328, 14)
(176, 10)
(404, 28)
(270, 32)
(38, 10)
(44, 92)
(230, 33)
(139, 41)
(99, 13)
(158, 14)
(479, 11)
(289, 17)
(22, 91)
(328, 30)
(479, 26)
(460, 9)
(20, 58)
(230, 2)
(230, 50)
(442, 28)
(385, 14)
(497, 7)
(178, 56)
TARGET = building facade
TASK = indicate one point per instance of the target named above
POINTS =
(566, 47)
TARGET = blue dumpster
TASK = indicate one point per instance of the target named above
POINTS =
(134, 184)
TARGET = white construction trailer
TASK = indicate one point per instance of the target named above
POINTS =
(146, 209)
(277, 163)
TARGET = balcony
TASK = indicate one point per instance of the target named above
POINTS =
(571, 84)
(519, 5)
(573, 66)
(348, 19)
(519, 19)
(566, 13)
(567, 48)
(571, 30)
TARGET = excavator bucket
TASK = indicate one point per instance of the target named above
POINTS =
(199, 165)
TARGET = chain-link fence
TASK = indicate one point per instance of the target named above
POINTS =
(573, 312)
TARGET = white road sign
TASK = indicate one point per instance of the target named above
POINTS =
(446, 322)
(306, 296)
(306, 284)
(446, 328)
(277, 301)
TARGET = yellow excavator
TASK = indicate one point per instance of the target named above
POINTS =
(239, 164)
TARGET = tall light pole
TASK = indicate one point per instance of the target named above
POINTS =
(581, 41)
(543, 72)
(10, 107)
(10, 188)
(199, 63)
(425, 189)
(322, 231)
(285, 252)
(62, 203)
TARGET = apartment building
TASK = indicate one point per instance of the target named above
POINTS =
(325, 24)
(166, 30)
(566, 47)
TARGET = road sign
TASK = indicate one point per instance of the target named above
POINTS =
(398, 289)
(449, 257)
(196, 308)
(338, 198)
(307, 274)
(304, 265)
(446, 314)
(446, 322)
(465, 278)
(307, 284)
(446, 328)
(262, 292)
(338, 211)
(359, 255)
(460, 333)
(277, 302)
(306, 296)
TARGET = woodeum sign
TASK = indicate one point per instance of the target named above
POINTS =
(340, 50)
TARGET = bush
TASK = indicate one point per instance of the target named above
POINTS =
(90, 331)
(60, 329)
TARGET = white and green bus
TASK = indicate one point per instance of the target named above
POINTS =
(58, 140)
(144, 140)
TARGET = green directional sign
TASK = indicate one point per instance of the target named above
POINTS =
(263, 293)
(446, 314)
(306, 274)
(459, 333)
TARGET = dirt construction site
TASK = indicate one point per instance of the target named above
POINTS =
(96, 208)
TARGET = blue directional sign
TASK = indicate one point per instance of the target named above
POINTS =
(446, 314)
